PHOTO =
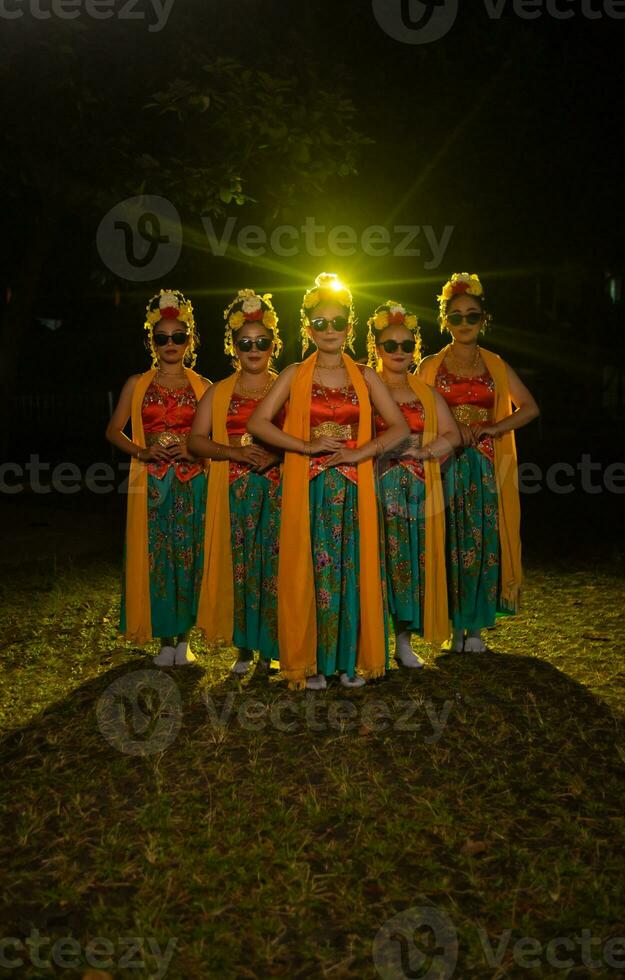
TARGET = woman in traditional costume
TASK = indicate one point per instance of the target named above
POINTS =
(483, 535)
(167, 486)
(238, 603)
(330, 602)
(410, 486)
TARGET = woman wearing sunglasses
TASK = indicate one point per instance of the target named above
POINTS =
(238, 603)
(167, 489)
(483, 535)
(330, 603)
(410, 485)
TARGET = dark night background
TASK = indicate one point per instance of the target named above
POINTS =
(506, 129)
(138, 804)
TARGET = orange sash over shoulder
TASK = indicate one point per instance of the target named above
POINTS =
(505, 474)
(216, 608)
(138, 608)
(435, 612)
(297, 619)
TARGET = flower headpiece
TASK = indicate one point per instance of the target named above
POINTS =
(390, 314)
(328, 288)
(170, 304)
(461, 283)
(248, 307)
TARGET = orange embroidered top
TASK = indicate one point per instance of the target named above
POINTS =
(471, 401)
(169, 413)
(414, 414)
(336, 412)
(239, 411)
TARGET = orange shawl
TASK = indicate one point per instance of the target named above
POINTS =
(435, 612)
(137, 574)
(505, 474)
(216, 608)
(297, 618)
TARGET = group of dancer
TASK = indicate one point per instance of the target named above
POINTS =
(301, 515)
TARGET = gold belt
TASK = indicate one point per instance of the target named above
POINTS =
(164, 439)
(470, 413)
(334, 431)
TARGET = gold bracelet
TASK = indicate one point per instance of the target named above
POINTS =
(430, 452)
(306, 449)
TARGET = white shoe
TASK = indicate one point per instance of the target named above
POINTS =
(184, 655)
(474, 643)
(316, 683)
(352, 681)
(404, 653)
(165, 657)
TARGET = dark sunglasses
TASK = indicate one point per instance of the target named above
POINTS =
(456, 318)
(319, 323)
(261, 343)
(178, 338)
(390, 346)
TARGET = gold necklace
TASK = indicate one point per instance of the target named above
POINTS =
(331, 367)
(163, 375)
(463, 364)
(397, 384)
(255, 392)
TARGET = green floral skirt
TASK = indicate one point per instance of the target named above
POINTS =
(255, 526)
(176, 552)
(402, 496)
(472, 545)
(336, 560)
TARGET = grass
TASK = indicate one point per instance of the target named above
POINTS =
(272, 834)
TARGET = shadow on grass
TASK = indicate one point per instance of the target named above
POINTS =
(273, 833)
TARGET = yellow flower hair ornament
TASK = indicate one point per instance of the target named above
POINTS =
(250, 307)
(461, 282)
(328, 288)
(170, 304)
(390, 314)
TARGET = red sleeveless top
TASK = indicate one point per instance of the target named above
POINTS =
(170, 411)
(414, 413)
(239, 411)
(471, 401)
(330, 407)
